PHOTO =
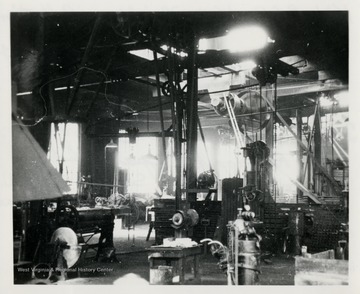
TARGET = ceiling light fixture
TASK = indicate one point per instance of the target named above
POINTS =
(111, 144)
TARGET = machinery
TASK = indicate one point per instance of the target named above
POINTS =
(87, 222)
(183, 220)
(248, 107)
(257, 175)
(61, 253)
(241, 257)
(63, 235)
(249, 113)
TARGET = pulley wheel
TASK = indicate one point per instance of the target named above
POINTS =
(67, 237)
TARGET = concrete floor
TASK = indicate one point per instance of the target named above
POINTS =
(132, 267)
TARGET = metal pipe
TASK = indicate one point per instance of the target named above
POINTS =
(233, 122)
(310, 141)
(203, 139)
(94, 184)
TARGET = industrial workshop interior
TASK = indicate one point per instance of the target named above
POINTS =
(180, 148)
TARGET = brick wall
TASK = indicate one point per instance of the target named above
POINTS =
(322, 225)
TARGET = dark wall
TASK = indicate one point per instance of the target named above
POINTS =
(93, 160)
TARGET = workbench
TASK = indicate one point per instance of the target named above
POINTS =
(177, 255)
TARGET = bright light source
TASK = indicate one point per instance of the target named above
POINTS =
(246, 39)
(238, 40)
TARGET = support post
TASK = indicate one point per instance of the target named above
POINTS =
(192, 122)
(176, 110)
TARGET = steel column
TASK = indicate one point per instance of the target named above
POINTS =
(192, 122)
(176, 110)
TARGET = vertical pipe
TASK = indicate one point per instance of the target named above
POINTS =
(317, 151)
(299, 151)
(236, 254)
(205, 147)
(105, 172)
(79, 163)
(176, 131)
(192, 119)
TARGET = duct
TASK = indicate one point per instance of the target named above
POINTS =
(34, 178)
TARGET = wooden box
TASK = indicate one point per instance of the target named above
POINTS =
(321, 269)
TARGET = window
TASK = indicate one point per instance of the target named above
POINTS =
(64, 152)
(140, 162)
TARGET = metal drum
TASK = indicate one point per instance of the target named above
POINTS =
(248, 262)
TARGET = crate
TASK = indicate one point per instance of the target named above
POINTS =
(321, 269)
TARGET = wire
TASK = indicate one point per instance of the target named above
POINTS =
(67, 76)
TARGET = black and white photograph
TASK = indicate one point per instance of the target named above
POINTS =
(180, 147)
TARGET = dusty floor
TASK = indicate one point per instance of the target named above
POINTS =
(133, 267)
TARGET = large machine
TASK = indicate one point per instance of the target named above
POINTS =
(240, 258)
(62, 235)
